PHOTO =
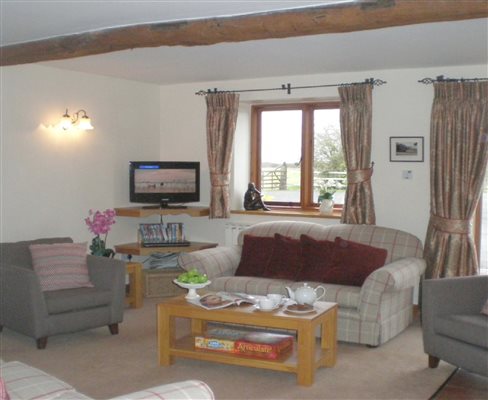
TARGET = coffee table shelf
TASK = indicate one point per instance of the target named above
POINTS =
(308, 354)
(184, 347)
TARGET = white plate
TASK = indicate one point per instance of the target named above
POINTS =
(256, 306)
(292, 309)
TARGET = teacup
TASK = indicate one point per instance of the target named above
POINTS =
(275, 298)
(266, 304)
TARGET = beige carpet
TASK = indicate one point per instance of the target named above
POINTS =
(102, 366)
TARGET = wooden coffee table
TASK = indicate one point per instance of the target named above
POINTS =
(306, 358)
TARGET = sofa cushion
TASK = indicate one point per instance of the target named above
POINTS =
(344, 296)
(60, 265)
(256, 252)
(484, 310)
(66, 300)
(317, 257)
(353, 262)
(472, 329)
(250, 285)
(3, 391)
(285, 261)
(25, 383)
(184, 390)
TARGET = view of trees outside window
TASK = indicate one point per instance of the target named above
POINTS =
(329, 165)
(281, 155)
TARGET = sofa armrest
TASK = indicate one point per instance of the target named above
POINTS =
(461, 295)
(104, 272)
(399, 275)
(21, 295)
(215, 262)
(192, 389)
(109, 274)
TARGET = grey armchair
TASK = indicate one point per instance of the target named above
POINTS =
(454, 330)
(26, 309)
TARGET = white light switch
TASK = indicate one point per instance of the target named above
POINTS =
(408, 174)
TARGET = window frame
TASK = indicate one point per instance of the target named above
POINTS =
(306, 166)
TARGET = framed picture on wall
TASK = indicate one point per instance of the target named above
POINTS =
(406, 149)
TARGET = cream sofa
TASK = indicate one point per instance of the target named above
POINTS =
(24, 382)
(371, 314)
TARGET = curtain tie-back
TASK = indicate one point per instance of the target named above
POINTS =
(219, 179)
(458, 226)
(359, 175)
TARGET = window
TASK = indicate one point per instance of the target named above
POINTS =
(296, 152)
(481, 228)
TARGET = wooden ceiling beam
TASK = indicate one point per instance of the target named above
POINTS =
(329, 18)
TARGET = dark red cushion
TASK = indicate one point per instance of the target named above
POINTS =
(353, 262)
(256, 252)
(317, 256)
(285, 260)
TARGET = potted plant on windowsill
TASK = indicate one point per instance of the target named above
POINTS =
(326, 201)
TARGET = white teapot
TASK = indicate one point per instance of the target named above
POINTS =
(305, 294)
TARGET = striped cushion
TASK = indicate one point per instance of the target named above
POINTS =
(28, 383)
(3, 391)
(184, 390)
(60, 265)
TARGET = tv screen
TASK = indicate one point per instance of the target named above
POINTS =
(164, 182)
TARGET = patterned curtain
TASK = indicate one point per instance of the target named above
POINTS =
(458, 160)
(222, 109)
(356, 117)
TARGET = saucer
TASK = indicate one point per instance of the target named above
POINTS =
(257, 307)
(300, 308)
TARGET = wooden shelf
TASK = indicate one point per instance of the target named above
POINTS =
(136, 249)
(141, 212)
(185, 347)
(276, 212)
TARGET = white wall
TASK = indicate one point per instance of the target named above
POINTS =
(49, 180)
(400, 108)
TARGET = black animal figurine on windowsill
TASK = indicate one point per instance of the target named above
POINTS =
(253, 200)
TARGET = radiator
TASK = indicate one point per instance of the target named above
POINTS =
(232, 230)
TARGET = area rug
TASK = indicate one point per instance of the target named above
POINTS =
(103, 366)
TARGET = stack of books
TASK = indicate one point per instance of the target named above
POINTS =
(256, 344)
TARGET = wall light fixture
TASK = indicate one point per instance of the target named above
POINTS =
(80, 122)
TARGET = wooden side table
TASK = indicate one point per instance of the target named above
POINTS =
(134, 297)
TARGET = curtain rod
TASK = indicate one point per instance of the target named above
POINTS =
(288, 87)
(441, 78)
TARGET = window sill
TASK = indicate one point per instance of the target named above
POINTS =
(290, 213)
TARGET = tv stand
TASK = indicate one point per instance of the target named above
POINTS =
(137, 249)
(146, 211)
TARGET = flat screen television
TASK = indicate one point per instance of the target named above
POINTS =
(164, 184)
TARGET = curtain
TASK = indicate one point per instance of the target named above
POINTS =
(458, 160)
(356, 121)
(222, 109)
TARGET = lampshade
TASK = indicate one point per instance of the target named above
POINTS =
(65, 122)
(82, 122)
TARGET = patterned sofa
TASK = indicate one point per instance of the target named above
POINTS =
(371, 314)
(23, 382)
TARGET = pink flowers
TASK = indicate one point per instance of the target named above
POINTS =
(99, 222)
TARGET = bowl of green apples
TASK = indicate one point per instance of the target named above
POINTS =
(192, 280)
